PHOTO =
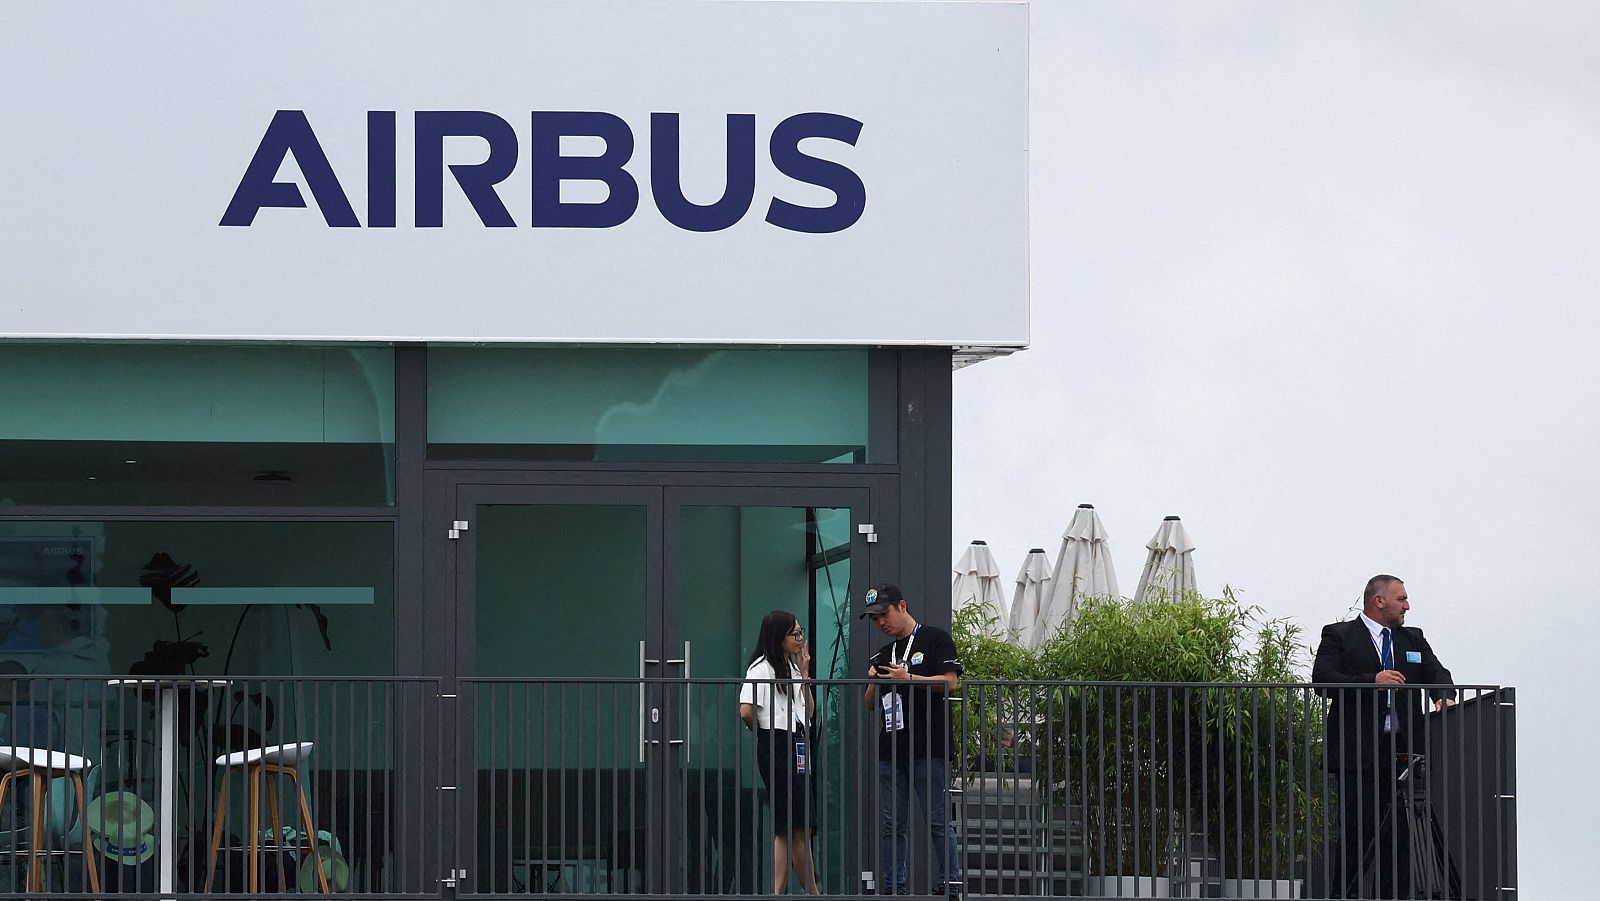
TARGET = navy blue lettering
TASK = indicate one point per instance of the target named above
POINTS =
(380, 169)
(666, 176)
(289, 133)
(846, 185)
(550, 169)
(477, 181)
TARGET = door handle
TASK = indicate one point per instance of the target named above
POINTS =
(687, 662)
(641, 700)
(688, 701)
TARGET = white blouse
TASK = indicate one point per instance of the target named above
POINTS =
(773, 708)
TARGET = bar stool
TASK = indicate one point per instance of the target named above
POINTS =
(39, 766)
(255, 764)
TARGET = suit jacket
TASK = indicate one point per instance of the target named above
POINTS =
(1355, 736)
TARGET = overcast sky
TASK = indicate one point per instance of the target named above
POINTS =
(1322, 280)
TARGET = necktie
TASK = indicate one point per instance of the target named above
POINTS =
(1388, 663)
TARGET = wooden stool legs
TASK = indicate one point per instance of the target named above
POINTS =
(255, 774)
(38, 780)
(220, 818)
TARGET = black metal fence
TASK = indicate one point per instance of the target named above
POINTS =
(212, 786)
(406, 788)
(1198, 791)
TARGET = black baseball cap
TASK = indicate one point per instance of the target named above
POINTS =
(880, 598)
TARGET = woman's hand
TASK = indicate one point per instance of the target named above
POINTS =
(805, 660)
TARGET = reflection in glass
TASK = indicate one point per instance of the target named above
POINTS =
(736, 565)
(648, 405)
(169, 425)
(262, 598)
(290, 602)
(561, 592)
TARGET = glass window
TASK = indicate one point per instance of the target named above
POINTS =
(228, 598)
(641, 405)
(534, 561)
(736, 564)
(176, 424)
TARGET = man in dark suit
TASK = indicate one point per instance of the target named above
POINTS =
(1370, 733)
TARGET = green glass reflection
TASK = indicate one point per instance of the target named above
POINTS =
(93, 599)
(648, 404)
(561, 591)
(737, 564)
(179, 424)
(257, 598)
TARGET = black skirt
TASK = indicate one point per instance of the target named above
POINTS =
(788, 792)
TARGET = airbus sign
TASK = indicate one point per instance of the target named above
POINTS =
(516, 171)
(290, 135)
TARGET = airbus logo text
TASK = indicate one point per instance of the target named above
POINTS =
(290, 134)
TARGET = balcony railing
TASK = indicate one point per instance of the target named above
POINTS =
(217, 786)
(579, 787)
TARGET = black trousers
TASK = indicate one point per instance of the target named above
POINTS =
(1375, 841)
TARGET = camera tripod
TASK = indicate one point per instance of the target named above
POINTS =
(1431, 872)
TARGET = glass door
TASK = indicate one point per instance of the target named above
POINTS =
(559, 622)
(602, 633)
(731, 556)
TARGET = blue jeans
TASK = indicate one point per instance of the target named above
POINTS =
(930, 780)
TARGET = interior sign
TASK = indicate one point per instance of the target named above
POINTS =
(290, 134)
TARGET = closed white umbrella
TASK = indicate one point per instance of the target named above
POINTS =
(1033, 591)
(978, 582)
(1168, 568)
(1083, 569)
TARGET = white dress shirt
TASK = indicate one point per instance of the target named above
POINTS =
(774, 709)
(1375, 629)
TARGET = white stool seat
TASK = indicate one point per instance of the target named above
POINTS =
(41, 759)
(283, 755)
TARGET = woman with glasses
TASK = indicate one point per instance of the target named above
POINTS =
(776, 703)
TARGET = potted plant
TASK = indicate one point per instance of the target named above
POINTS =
(1164, 779)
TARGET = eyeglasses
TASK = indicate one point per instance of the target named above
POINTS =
(797, 633)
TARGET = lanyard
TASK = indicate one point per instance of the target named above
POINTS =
(905, 653)
(796, 703)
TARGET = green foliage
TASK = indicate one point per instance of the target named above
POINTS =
(986, 657)
(986, 721)
(1188, 639)
(1119, 753)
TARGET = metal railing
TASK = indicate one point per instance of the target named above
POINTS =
(597, 787)
(1245, 790)
(1055, 790)
(218, 786)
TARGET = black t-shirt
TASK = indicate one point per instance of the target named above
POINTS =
(926, 706)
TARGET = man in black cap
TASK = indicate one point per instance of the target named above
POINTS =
(915, 673)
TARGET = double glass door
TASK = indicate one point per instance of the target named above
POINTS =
(602, 633)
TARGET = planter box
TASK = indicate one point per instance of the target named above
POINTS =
(1129, 886)
(1263, 888)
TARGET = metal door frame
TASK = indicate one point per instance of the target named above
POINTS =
(676, 775)
(467, 497)
(447, 645)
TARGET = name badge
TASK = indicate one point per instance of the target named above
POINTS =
(894, 714)
(1413, 656)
